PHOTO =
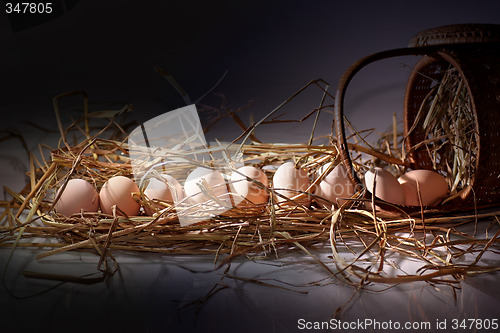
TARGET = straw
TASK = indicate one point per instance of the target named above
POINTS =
(257, 231)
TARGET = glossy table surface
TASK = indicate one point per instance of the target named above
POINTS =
(284, 293)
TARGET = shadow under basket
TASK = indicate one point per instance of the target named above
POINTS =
(451, 111)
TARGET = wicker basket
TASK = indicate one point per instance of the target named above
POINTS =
(474, 51)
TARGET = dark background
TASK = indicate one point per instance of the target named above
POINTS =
(268, 48)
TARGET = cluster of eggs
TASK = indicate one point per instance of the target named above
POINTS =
(79, 195)
(249, 185)
(414, 188)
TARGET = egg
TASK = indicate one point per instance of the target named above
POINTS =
(214, 179)
(387, 187)
(118, 191)
(248, 190)
(336, 184)
(431, 185)
(78, 195)
(289, 180)
(167, 189)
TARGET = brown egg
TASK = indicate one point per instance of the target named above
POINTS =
(213, 178)
(247, 190)
(168, 190)
(387, 186)
(118, 191)
(432, 187)
(334, 185)
(78, 195)
(288, 181)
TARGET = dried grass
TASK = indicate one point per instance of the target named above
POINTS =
(259, 231)
(451, 138)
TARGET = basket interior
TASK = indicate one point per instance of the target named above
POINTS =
(441, 130)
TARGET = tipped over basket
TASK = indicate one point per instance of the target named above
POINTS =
(451, 111)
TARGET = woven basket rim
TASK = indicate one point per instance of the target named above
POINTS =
(457, 34)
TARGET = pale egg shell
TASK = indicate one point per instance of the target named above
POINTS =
(387, 187)
(288, 181)
(336, 184)
(167, 189)
(78, 195)
(248, 190)
(214, 179)
(431, 185)
(118, 191)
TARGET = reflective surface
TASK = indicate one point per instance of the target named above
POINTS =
(291, 292)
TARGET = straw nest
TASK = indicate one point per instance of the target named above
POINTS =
(29, 220)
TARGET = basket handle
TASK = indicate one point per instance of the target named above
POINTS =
(341, 90)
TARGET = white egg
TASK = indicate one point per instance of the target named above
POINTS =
(213, 178)
(289, 181)
(247, 191)
(336, 184)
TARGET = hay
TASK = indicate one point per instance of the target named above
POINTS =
(451, 138)
(29, 220)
